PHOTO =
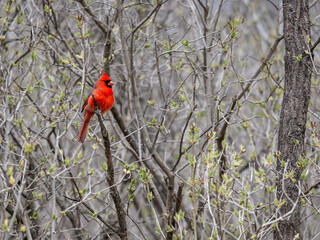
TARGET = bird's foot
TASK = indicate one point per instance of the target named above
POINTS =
(96, 106)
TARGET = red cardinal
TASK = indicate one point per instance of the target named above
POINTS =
(102, 94)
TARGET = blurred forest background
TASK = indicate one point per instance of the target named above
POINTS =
(198, 91)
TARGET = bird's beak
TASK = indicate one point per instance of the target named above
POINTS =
(110, 83)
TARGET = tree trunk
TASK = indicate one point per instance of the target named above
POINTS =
(293, 115)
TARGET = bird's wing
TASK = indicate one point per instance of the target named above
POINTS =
(86, 101)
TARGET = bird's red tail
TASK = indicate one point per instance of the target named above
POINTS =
(84, 128)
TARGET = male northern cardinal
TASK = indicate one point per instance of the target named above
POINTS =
(101, 95)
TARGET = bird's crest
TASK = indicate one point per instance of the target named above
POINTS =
(105, 76)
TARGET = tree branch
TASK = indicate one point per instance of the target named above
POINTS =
(110, 178)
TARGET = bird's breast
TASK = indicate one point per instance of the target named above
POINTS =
(105, 100)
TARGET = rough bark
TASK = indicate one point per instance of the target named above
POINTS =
(293, 114)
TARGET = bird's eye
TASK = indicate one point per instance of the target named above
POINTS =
(107, 82)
